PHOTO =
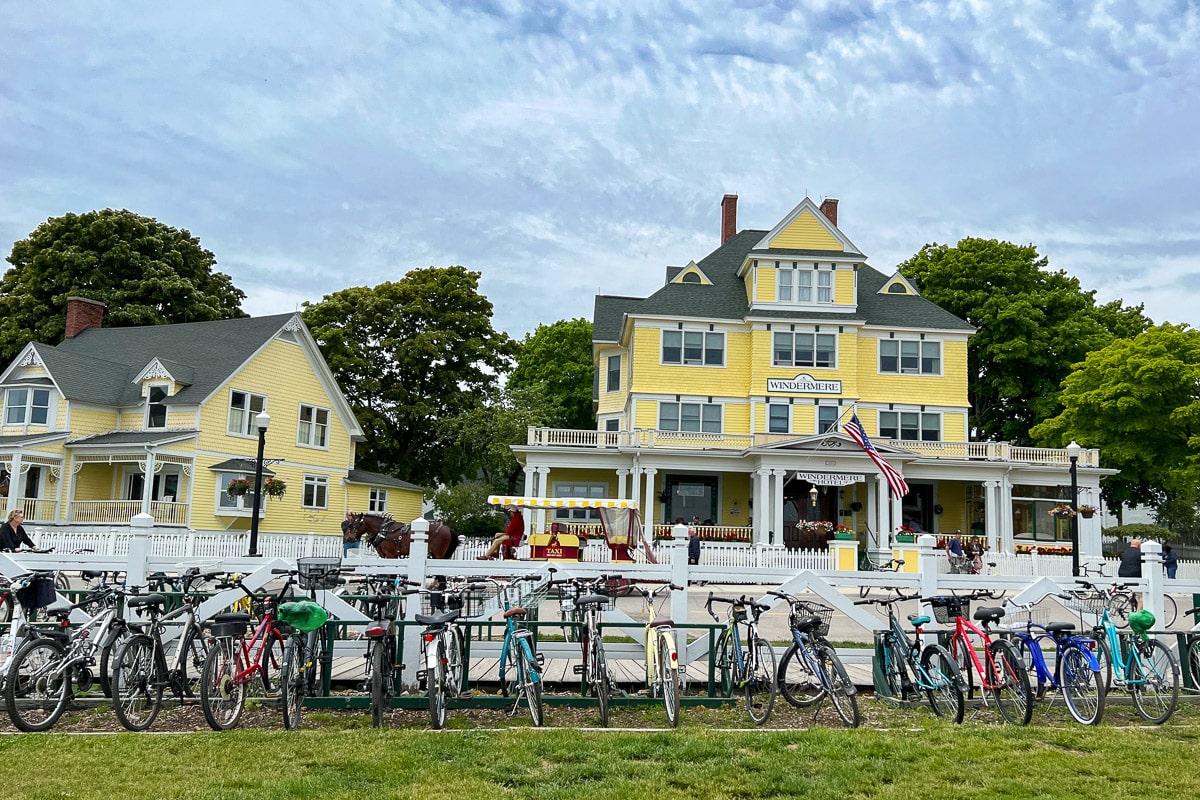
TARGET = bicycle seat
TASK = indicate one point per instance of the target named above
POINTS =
(519, 611)
(663, 622)
(440, 619)
(593, 599)
(918, 619)
(91, 574)
(146, 600)
(231, 616)
(988, 614)
(1060, 627)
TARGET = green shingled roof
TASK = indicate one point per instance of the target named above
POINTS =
(379, 479)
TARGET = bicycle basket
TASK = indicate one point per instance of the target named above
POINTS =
(947, 608)
(318, 572)
(469, 602)
(818, 610)
(303, 615)
(38, 593)
(739, 613)
(1085, 602)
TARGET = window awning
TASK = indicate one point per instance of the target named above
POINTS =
(246, 465)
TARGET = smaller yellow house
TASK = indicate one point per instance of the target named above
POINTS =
(115, 422)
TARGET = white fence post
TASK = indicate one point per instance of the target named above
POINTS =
(1152, 574)
(139, 549)
(927, 569)
(418, 552)
(679, 571)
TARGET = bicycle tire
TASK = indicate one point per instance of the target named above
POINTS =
(842, 695)
(376, 663)
(1009, 683)
(221, 698)
(893, 669)
(1193, 655)
(62, 582)
(598, 682)
(943, 683)
(292, 682)
(456, 658)
(531, 683)
(107, 651)
(137, 691)
(668, 677)
(435, 685)
(314, 646)
(1155, 691)
(1080, 685)
(271, 662)
(960, 654)
(191, 664)
(35, 701)
(1170, 611)
(1121, 606)
(725, 673)
(798, 684)
(6, 608)
(760, 686)
(1104, 658)
(1025, 651)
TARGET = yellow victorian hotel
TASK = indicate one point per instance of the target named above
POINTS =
(721, 396)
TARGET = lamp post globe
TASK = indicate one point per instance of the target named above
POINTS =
(1073, 451)
(262, 420)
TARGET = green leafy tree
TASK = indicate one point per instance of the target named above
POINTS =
(1033, 324)
(464, 507)
(409, 353)
(482, 437)
(1137, 401)
(556, 360)
(147, 273)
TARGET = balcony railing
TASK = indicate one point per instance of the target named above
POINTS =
(120, 512)
(689, 440)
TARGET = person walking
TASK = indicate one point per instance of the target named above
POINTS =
(1170, 561)
(693, 545)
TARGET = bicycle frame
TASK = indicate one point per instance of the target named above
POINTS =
(266, 633)
(1120, 665)
(1033, 634)
(963, 630)
(522, 636)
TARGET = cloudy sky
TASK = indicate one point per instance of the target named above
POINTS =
(565, 149)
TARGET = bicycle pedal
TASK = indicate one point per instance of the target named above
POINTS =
(577, 669)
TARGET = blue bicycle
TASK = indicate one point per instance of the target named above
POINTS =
(1076, 674)
(518, 656)
(810, 670)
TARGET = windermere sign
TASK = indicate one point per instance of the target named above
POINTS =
(804, 383)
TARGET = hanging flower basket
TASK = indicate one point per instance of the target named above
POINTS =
(1087, 512)
(818, 527)
(274, 487)
(238, 487)
(1062, 510)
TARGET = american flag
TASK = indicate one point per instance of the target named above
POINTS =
(854, 429)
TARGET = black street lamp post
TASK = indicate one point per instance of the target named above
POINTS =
(1073, 451)
(262, 420)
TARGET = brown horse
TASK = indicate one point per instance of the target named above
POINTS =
(391, 538)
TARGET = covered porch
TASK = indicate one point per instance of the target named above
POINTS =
(116, 476)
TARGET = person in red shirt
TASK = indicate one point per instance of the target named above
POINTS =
(512, 534)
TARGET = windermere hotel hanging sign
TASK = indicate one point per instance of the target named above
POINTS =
(805, 384)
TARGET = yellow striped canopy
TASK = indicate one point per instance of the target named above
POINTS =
(560, 502)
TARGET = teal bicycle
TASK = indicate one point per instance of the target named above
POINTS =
(1146, 668)
(520, 663)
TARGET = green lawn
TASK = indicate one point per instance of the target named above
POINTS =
(903, 754)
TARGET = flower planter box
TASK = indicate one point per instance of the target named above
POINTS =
(845, 537)
(906, 538)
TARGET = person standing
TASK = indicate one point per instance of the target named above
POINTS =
(1131, 561)
(12, 532)
(1170, 561)
(693, 545)
(954, 546)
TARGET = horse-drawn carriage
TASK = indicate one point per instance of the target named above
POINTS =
(620, 525)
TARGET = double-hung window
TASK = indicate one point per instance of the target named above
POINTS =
(313, 430)
(693, 417)
(804, 349)
(26, 406)
(693, 348)
(795, 283)
(910, 357)
(779, 418)
(912, 426)
(156, 409)
(316, 491)
(243, 408)
(827, 417)
(377, 502)
(614, 374)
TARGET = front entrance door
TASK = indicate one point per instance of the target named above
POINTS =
(692, 497)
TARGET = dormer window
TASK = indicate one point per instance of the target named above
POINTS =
(26, 406)
(796, 283)
(156, 409)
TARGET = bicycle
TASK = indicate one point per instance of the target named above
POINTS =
(526, 664)
(664, 675)
(588, 601)
(1147, 669)
(233, 662)
(752, 668)
(142, 671)
(908, 669)
(382, 635)
(1076, 673)
(443, 646)
(810, 669)
(1000, 673)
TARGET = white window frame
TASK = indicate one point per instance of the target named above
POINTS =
(707, 347)
(150, 405)
(610, 384)
(377, 501)
(827, 411)
(308, 430)
(316, 491)
(27, 406)
(249, 430)
(926, 351)
(816, 348)
(774, 414)
(235, 506)
(703, 416)
(582, 490)
(794, 283)
(896, 421)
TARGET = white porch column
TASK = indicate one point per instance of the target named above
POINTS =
(622, 484)
(762, 505)
(1091, 543)
(648, 508)
(148, 467)
(991, 514)
(1006, 515)
(882, 513)
(777, 476)
(542, 491)
(16, 491)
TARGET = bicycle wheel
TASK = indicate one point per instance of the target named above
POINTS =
(292, 682)
(894, 658)
(456, 656)
(6, 607)
(531, 683)
(960, 654)
(435, 683)
(798, 684)
(760, 681)
(191, 664)
(598, 682)
(1121, 606)
(1009, 683)
(1104, 657)
(841, 690)
(725, 672)
(943, 683)
(119, 636)
(1170, 611)
(221, 697)
(1080, 685)
(1193, 656)
(271, 663)
(35, 693)
(62, 583)
(1153, 681)
(668, 678)
(314, 646)
(137, 695)
(1025, 651)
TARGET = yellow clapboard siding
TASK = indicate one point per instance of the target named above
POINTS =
(844, 281)
(806, 233)
(652, 376)
(764, 284)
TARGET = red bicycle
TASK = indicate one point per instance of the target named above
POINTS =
(993, 664)
(234, 661)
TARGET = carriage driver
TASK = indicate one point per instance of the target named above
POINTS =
(511, 535)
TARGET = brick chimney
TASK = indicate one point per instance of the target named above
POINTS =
(829, 209)
(83, 314)
(728, 217)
